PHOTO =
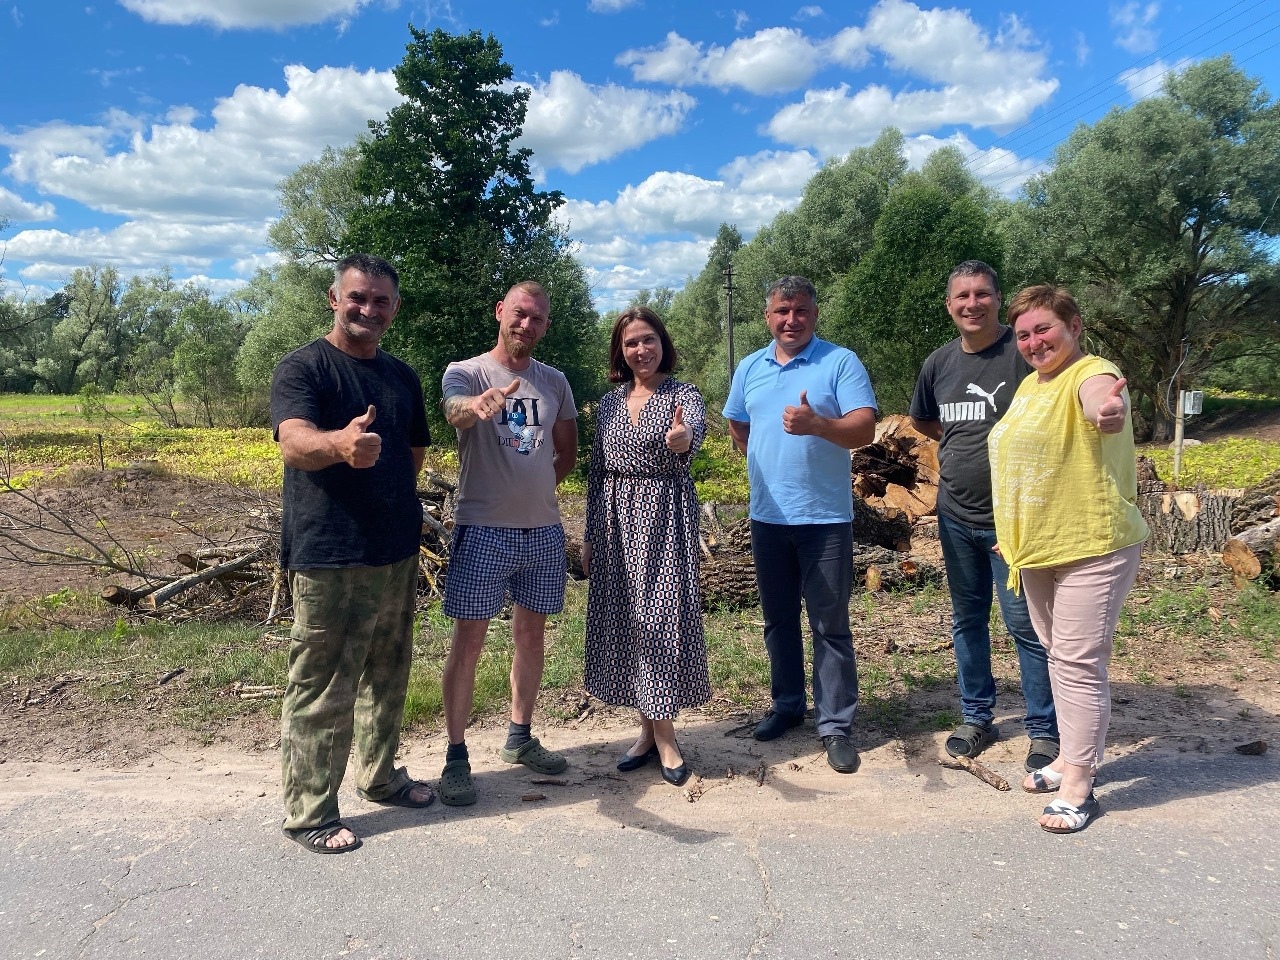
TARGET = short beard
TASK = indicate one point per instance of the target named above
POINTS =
(516, 349)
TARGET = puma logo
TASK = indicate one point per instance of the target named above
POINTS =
(977, 391)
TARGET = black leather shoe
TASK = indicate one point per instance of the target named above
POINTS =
(775, 725)
(631, 762)
(676, 776)
(840, 753)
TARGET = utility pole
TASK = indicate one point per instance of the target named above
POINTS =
(728, 311)
(1179, 416)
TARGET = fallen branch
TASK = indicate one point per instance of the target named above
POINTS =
(985, 774)
(171, 590)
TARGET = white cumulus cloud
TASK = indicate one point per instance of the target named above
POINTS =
(979, 80)
(610, 6)
(227, 169)
(237, 14)
(571, 124)
(17, 210)
(769, 61)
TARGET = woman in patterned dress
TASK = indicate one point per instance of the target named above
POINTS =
(644, 611)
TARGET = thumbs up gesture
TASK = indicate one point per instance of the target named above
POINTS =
(1112, 410)
(492, 402)
(800, 420)
(678, 437)
(356, 445)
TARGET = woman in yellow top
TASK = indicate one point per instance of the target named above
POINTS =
(1064, 489)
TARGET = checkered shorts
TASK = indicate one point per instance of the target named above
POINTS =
(487, 564)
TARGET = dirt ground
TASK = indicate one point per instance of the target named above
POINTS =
(1173, 690)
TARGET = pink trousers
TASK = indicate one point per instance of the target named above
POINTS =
(1074, 609)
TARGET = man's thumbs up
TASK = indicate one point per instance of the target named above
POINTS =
(800, 420)
(678, 437)
(357, 446)
(511, 388)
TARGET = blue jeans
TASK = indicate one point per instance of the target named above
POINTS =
(813, 561)
(971, 569)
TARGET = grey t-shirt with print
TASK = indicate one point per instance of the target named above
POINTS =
(967, 393)
(507, 477)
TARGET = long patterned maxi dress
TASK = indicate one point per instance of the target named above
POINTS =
(644, 610)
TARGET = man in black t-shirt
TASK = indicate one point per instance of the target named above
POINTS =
(352, 429)
(963, 389)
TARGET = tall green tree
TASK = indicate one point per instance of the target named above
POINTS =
(889, 307)
(317, 202)
(448, 196)
(827, 232)
(1159, 218)
(75, 338)
(204, 364)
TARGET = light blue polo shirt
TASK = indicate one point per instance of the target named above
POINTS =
(795, 479)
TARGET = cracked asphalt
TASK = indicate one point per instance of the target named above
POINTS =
(182, 856)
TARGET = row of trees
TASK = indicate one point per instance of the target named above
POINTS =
(1160, 217)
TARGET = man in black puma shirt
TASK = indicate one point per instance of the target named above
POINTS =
(963, 389)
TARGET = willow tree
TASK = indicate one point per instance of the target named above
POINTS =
(1160, 218)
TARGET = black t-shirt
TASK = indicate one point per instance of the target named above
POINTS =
(967, 393)
(341, 516)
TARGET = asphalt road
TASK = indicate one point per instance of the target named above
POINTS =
(182, 857)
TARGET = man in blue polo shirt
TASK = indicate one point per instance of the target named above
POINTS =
(803, 404)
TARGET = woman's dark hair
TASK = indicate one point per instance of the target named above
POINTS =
(619, 372)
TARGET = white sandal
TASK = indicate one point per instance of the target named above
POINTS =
(1077, 818)
(1044, 780)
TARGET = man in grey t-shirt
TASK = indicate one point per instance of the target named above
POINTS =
(963, 389)
(517, 438)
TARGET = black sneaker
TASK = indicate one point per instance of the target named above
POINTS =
(840, 753)
(775, 725)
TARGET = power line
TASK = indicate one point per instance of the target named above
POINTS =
(1003, 163)
(1013, 137)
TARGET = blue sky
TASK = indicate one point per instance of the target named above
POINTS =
(152, 133)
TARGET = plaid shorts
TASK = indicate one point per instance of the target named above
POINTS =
(488, 564)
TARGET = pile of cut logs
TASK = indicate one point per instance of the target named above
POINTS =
(895, 486)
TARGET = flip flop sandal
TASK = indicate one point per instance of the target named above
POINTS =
(970, 739)
(1043, 781)
(1077, 818)
(316, 838)
(1042, 752)
(404, 796)
(456, 788)
(536, 757)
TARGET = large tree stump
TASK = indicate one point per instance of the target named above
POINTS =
(1257, 504)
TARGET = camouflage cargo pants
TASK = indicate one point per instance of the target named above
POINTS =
(348, 675)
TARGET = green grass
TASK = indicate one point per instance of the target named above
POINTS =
(1222, 465)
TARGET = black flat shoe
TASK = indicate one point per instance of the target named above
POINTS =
(631, 762)
(676, 776)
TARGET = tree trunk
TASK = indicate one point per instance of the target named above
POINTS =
(1251, 553)
(1185, 521)
(1257, 504)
